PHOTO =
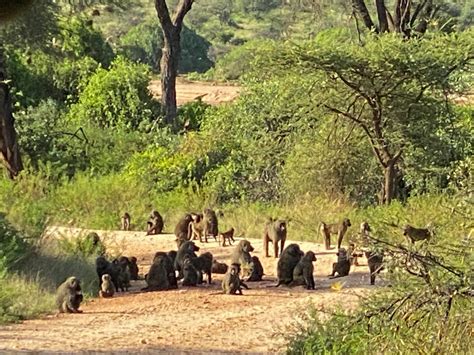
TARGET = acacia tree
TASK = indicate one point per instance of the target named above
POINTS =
(407, 16)
(171, 28)
(395, 91)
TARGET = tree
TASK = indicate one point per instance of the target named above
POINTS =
(407, 16)
(395, 91)
(170, 53)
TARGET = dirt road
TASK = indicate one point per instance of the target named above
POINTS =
(187, 320)
(209, 92)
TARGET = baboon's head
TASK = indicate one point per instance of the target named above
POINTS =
(73, 283)
(234, 268)
(245, 246)
(105, 277)
(346, 222)
(294, 250)
(310, 256)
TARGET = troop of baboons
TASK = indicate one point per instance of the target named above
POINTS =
(294, 266)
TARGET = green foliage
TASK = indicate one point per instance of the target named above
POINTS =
(143, 44)
(117, 97)
(87, 246)
(12, 246)
(80, 39)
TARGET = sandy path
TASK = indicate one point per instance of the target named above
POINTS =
(186, 320)
(209, 92)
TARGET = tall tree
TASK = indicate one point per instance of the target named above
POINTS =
(171, 28)
(407, 16)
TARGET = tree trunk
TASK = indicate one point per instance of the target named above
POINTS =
(9, 151)
(382, 15)
(389, 182)
(361, 9)
(169, 72)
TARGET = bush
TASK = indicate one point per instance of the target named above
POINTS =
(117, 97)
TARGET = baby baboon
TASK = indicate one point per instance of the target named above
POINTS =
(133, 268)
(275, 231)
(211, 226)
(416, 234)
(342, 267)
(203, 265)
(374, 260)
(303, 272)
(190, 274)
(126, 221)
(231, 284)
(155, 223)
(256, 272)
(187, 249)
(219, 268)
(241, 255)
(196, 227)
(69, 296)
(229, 236)
(289, 258)
(107, 289)
(336, 228)
(181, 230)
(105, 267)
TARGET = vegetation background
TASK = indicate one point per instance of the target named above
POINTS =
(302, 142)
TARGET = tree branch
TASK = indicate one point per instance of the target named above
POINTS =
(182, 9)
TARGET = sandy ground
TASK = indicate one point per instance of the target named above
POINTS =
(187, 320)
(209, 92)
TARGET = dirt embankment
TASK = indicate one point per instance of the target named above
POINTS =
(187, 320)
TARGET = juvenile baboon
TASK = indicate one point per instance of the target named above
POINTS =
(374, 260)
(416, 234)
(161, 275)
(133, 268)
(289, 258)
(203, 265)
(353, 254)
(190, 274)
(107, 289)
(219, 268)
(69, 296)
(275, 231)
(364, 229)
(241, 255)
(103, 266)
(196, 227)
(257, 270)
(155, 223)
(335, 228)
(229, 236)
(187, 249)
(342, 266)
(181, 230)
(303, 272)
(231, 284)
(126, 219)
(211, 225)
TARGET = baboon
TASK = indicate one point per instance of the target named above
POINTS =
(187, 249)
(303, 272)
(229, 236)
(105, 267)
(275, 231)
(364, 229)
(69, 296)
(125, 219)
(416, 234)
(231, 284)
(241, 255)
(257, 270)
(196, 227)
(190, 274)
(342, 266)
(124, 272)
(218, 268)
(107, 289)
(203, 265)
(161, 275)
(353, 254)
(211, 225)
(374, 260)
(289, 258)
(172, 255)
(133, 268)
(181, 230)
(155, 223)
(336, 228)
